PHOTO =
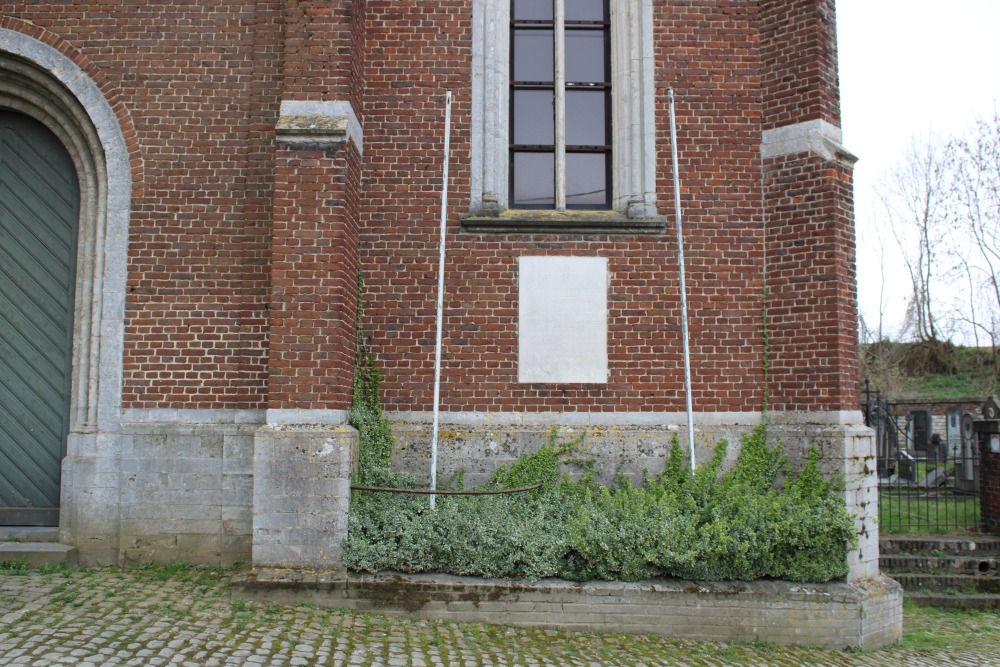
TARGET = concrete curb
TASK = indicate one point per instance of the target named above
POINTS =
(864, 614)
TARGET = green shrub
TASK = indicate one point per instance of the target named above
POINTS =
(389, 531)
(501, 535)
(628, 534)
(506, 535)
(541, 467)
(816, 525)
(710, 526)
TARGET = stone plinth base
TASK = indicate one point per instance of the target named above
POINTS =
(301, 494)
(866, 614)
(166, 485)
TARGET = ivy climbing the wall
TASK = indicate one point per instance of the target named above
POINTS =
(374, 436)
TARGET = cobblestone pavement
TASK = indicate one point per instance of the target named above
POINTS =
(157, 617)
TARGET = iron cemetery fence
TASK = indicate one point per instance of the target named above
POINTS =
(928, 480)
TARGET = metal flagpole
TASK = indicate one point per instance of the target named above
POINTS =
(440, 295)
(680, 260)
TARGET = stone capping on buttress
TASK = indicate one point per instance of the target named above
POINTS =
(814, 136)
(319, 124)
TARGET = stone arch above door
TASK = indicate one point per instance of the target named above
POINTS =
(41, 82)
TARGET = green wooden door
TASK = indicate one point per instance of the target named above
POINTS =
(39, 209)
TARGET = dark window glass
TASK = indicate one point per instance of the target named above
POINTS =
(586, 180)
(534, 123)
(586, 119)
(585, 56)
(532, 10)
(533, 55)
(532, 109)
(585, 10)
(534, 180)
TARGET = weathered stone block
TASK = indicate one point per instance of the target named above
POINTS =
(301, 494)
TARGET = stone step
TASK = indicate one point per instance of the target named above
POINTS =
(981, 601)
(29, 534)
(936, 544)
(948, 583)
(938, 564)
(36, 554)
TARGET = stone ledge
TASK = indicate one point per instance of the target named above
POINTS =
(318, 124)
(866, 614)
(36, 554)
(818, 137)
(542, 221)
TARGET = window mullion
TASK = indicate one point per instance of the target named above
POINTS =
(559, 58)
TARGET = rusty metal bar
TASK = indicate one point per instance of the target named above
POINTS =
(431, 492)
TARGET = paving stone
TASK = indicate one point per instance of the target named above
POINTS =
(105, 618)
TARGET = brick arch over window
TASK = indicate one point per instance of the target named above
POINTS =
(39, 81)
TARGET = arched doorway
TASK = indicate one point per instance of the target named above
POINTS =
(39, 215)
(46, 84)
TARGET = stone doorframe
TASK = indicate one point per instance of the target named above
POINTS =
(41, 82)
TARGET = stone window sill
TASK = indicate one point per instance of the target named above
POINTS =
(560, 222)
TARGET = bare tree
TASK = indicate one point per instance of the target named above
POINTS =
(974, 169)
(914, 200)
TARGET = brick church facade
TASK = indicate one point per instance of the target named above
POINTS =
(239, 168)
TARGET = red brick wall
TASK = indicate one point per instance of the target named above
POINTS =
(812, 302)
(314, 241)
(201, 83)
(812, 312)
(416, 52)
(314, 269)
(799, 62)
(255, 285)
(14, 20)
(197, 81)
(323, 49)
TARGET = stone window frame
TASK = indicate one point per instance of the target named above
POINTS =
(633, 128)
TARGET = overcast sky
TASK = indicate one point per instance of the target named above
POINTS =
(908, 68)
